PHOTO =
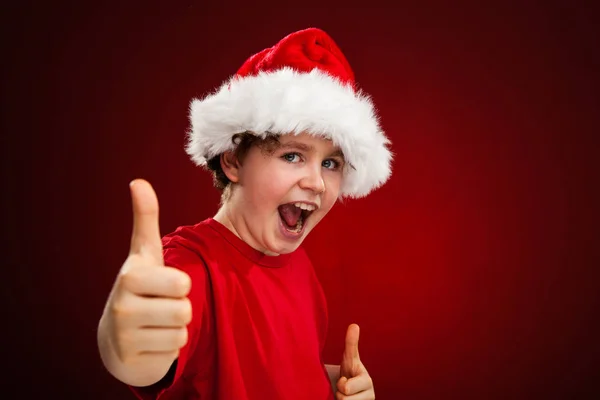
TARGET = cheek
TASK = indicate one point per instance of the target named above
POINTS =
(332, 192)
(330, 197)
(267, 186)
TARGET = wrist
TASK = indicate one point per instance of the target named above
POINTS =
(333, 371)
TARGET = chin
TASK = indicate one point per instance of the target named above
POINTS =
(284, 243)
(286, 248)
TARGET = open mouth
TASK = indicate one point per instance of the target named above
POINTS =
(294, 215)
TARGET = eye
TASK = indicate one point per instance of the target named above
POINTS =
(331, 164)
(291, 157)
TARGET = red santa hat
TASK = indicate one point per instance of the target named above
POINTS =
(302, 84)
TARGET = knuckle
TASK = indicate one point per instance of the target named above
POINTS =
(187, 283)
(133, 357)
(182, 312)
(181, 283)
(127, 358)
(130, 278)
(179, 316)
(186, 311)
(178, 313)
(134, 261)
(121, 310)
(182, 337)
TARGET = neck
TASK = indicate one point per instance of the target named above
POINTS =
(223, 216)
(235, 223)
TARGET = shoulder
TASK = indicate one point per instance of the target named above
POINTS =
(190, 236)
(188, 244)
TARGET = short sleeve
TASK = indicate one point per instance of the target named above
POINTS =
(177, 381)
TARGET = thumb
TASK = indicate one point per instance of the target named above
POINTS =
(145, 238)
(351, 349)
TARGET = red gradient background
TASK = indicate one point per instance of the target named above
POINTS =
(471, 273)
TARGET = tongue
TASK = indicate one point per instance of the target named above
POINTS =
(290, 214)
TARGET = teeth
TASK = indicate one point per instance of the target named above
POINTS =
(298, 227)
(307, 207)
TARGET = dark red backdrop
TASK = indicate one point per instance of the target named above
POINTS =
(470, 273)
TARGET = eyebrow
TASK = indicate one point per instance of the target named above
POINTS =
(307, 148)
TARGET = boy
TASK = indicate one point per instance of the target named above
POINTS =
(231, 308)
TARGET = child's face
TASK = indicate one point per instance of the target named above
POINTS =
(305, 171)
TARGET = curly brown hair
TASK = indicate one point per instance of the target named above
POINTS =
(243, 143)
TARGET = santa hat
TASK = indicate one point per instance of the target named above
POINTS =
(302, 84)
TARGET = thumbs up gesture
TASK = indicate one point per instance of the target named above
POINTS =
(355, 382)
(147, 312)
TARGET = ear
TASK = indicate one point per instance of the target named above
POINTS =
(230, 166)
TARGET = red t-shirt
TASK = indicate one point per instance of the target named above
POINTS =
(258, 326)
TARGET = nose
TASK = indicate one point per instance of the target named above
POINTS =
(313, 180)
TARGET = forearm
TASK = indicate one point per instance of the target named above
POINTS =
(334, 374)
(140, 372)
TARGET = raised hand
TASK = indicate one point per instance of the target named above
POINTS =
(147, 312)
(355, 382)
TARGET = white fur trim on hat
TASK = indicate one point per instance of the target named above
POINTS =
(286, 101)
